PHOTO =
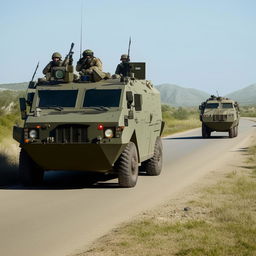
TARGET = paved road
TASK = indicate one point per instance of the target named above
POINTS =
(68, 212)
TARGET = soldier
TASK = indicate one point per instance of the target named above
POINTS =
(121, 68)
(88, 63)
(56, 62)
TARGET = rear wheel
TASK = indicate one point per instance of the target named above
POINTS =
(29, 172)
(127, 166)
(153, 166)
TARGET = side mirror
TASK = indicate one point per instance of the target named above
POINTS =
(129, 98)
(23, 108)
(200, 107)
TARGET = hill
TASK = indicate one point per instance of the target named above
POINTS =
(14, 86)
(177, 96)
(245, 96)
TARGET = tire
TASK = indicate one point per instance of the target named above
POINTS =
(231, 132)
(206, 133)
(127, 166)
(153, 166)
(236, 131)
(30, 174)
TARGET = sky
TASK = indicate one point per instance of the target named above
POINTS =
(209, 45)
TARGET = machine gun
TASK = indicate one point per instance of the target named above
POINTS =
(69, 58)
(64, 73)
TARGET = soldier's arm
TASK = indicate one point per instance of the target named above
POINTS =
(79, 65)
(118, 70)
(47, 68)
(98, 63)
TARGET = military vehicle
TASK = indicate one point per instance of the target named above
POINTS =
(219, 114)
(108, 125)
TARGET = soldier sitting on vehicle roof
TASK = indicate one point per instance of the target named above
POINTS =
(121, 68)
(90, 67)
(56, 62)
(88, 63)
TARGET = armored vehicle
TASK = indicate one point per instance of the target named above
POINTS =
(109, 125)
(219, 114)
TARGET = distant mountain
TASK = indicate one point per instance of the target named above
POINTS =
(245, 96)
(177, 96)
(14, 86)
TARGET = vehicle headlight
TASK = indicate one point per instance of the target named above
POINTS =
(33, 134)
(109, 133)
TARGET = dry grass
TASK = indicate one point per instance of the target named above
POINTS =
(173, 126)
(220, 221)
(8, 162)
(179, 119)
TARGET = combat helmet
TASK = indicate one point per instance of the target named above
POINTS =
(88, 52)
(124, 57)
(56, 55)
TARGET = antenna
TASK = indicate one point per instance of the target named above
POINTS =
(217, 93)
(129, 47)
(81, 29)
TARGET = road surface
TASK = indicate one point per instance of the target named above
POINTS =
(67, 213)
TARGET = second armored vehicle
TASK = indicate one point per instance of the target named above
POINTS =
(102, 125)
(219, 114)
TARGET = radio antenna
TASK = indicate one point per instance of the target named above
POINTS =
(81, 29)
(217, 93)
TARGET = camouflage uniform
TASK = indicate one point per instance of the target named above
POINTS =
(121, 68)
(49, 66)
(52, 63)
(86, 65)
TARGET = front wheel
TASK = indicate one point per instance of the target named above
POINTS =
(206, 132)
(127, 166)
(30, 174)
(153, 166)
(236, 131)
(231, 132)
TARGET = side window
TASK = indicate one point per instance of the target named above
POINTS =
(138, 102)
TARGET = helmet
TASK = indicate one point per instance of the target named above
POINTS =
(88, 52)
(56, 55)
(124, 56)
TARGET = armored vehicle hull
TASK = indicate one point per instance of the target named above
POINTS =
(107, 126)
(221, 115)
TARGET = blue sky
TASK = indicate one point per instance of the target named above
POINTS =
(203, 44)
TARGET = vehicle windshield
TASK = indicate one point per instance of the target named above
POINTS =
(227, 105)
(212, 105)
(102, 98)
(54, 98)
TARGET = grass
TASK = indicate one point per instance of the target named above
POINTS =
(9, 112)
(248, 111)
(179, 119)
(221, 221)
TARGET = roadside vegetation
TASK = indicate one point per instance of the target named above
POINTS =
(220, 220)
(248, 111)
(179, 119)
(9, 112)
